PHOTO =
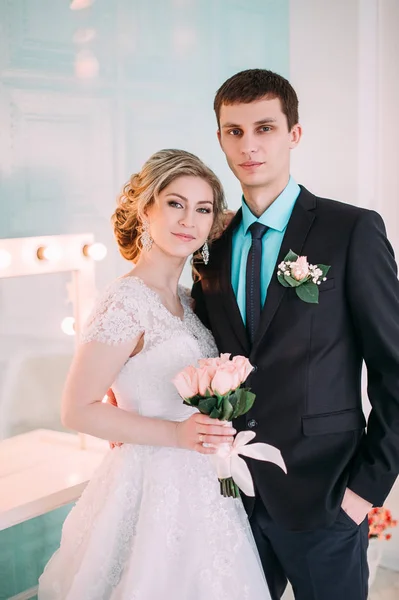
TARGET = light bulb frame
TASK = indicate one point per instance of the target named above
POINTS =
(25, 260)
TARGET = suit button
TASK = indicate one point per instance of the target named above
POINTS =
(254, 369)
(252, 423)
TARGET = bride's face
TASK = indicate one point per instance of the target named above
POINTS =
(181, 219)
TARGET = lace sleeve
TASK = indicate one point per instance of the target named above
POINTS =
(115, 318)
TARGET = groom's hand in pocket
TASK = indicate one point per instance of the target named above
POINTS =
(355, 507)
(203, 434)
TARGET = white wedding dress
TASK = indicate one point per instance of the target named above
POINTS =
(151, 524)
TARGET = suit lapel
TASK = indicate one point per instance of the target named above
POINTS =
(297, 230)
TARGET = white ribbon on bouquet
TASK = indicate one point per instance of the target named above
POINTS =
(229, 464)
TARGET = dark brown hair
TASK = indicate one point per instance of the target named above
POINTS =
(254, 84)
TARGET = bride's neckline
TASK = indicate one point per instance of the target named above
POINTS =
(158, 299)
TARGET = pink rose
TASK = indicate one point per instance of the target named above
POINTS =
(186, 382)
(205, 375)
(226, 378)
(210, 364)
(223, 358)
(300, 268)
(215, 362)
(205, 362)
(244, 367)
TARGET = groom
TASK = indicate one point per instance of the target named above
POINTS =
(310, 526)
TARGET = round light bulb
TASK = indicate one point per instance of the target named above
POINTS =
(86, 65)
(95, 251)
(80, 4)
(49, 253)
(68, 326)
(5, 259)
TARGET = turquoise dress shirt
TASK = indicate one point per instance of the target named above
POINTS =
(276, 217)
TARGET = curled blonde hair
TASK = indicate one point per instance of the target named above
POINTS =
(143, 188)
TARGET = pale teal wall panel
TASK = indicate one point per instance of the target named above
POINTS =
(26, 548)
(68, 143)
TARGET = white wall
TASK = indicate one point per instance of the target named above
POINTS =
(388, 117)
(344, 58)
(323, 70)
(387, 199)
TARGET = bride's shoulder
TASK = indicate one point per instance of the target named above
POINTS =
(124, 287)
(117, 313)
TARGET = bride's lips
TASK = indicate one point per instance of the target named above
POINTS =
(251, 165)
(184, 237)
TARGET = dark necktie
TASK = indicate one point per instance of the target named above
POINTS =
(253, 299)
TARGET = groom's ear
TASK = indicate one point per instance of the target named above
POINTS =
(219, 138)
(295, 136)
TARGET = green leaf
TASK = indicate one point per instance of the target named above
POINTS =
(283, 281)
(249, 398)
(238, 403)
(227, 409)
(291, 256)
(245, 402)
(308, 293)
(291, 281)
(193, 401)
(233, 399)
(206, 405)
(324, 268)
(215, 414)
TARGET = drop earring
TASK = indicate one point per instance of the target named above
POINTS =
(146, 239)
(205, 253)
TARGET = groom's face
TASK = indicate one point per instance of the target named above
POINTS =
(256, 141)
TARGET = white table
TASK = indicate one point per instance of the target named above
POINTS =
(42, 470)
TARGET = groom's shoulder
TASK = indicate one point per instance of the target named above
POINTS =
(331, 208)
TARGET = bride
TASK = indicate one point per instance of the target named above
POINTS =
(152, 524)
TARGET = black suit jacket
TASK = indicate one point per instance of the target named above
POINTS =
(308, 360)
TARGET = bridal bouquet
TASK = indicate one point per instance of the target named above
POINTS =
(215, 388)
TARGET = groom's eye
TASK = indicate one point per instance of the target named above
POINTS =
(234, 132)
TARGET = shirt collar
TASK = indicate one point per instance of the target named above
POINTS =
(277, 215)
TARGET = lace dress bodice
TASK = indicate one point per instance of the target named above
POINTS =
(129, 307)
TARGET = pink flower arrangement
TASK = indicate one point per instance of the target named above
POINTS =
(214, 376)
(296, 272)
(380, 519)
(214, 387)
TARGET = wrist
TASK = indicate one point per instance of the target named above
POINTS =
(175, 441)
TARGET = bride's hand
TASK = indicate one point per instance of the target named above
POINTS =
(200, 429)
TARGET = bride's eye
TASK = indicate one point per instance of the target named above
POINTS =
(205, 211)
(175, 204)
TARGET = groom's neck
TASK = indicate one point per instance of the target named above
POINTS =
(259, 198)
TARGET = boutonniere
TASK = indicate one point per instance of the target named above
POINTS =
(296, 272)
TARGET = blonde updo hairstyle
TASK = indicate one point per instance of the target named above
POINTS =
(142, 191)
